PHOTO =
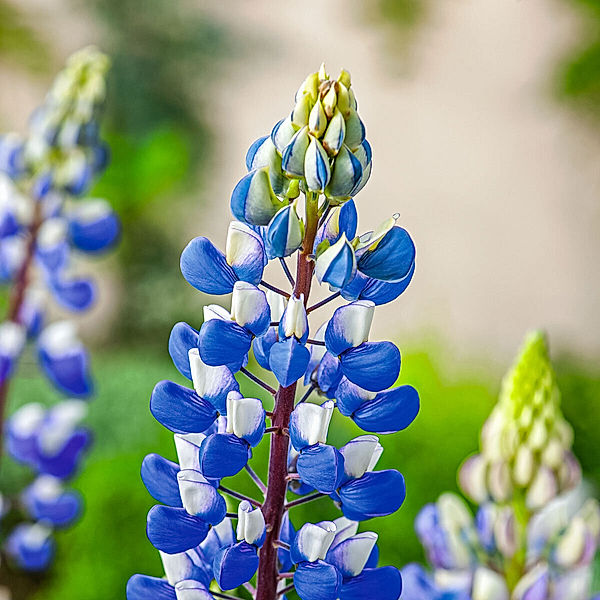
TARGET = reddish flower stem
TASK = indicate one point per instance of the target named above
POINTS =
(16, 302)
(274, 505)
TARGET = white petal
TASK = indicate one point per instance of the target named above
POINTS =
(488, 585)
(295, 321)
(187, 446)
(192, 491)
(247, 301)
(244, 415)
(251, 523)
(315, 539)
(358, 454)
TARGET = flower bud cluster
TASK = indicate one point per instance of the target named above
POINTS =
(512, 549)
(526, 442)
(45, 227)
(319, 151)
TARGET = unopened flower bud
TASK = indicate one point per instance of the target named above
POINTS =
(251, 524)
(488, 585)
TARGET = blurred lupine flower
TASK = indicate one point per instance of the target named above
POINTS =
(320, 151)
(524, 542)
(44, 226)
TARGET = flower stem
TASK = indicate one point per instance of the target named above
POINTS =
(239, 496)
(274, 505)
(286, 589)
(274, 289)
(16, 302)
(304, 500)
(286, 270)
(323, 302)
(257, 480)
(258, 381)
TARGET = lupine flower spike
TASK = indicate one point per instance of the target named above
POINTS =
(319, 151)
(535, 534)
(44, 225)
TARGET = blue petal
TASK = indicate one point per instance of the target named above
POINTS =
(245, 252)
(392, 259)
(341, 220)
(182, 339)
(173, 530)
(29, 557)
(75, 294)
(59, 511)
(252, 152)
(64, 463)
(379, 292)
(190, 589)
(373, 558)
(53, 258)
(317, 581)
(218, 537)
(94, 236)
(329, 374)
(350, 397)
(337, 264)
(373, 366)
(419, 585)
(262, 347)
(292, 159)
(389, 411)
(386, 580)
(143, 587)
(200, 498)
(284, 234)
(348, 327)
(253, 201)
(288, 361)
(160, 478)
(223, 343)
(375, 494)
(322, 467)
(223, 455)
(235, 565)
(180, 409)
(287, 533)
(69, 372)
(205, 268)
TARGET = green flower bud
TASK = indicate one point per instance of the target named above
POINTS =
(301, 111)
(335, 134)
(329, 99)
(345, 78)
(317, 121)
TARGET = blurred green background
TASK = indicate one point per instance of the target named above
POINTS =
(168, 60)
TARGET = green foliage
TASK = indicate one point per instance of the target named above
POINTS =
(578, 77)
(405, 13)
(19, 42)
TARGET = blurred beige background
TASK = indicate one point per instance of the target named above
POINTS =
(498, 184)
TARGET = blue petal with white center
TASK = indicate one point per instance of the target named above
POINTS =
(200, 498)
(379, 292)
(64, 462)
(341, 219)
(73, 294)
(337, 264)
(245, 418)
(389, 411)
(312, 542)
(329, 374)
(316, 166)
(218, 537)
(375, 494)
(284, 233)
(64, 359)
(235, 565)
(321, 467)
(263, 153)
(349, 326)
(253, 200)
(262, 347)
(309, 424)
(205, 267)
(173, 530)
(288, 360)
(211, 383)
(223, 455)
(351, 555)
(250, 308)
(93, 227)
(143, 587)
(160, 478)
(180, 409)
(392, 258)
(294, 321)
(292, 160)
(223, 343)
(386, 580)
(31, 546)
(245, 252)
(346, 175)
(373, 366)
(317, 581)
(182, 339)
(47, 501)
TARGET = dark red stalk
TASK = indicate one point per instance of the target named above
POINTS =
(274, 505)
(16, 302)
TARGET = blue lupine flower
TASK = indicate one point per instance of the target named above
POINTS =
(210, 271)
(320, 150)
(43, 225)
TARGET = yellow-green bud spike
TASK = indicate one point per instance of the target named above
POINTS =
(317, 121)
(343, 100)
(309, 87)
(323, 73)
(301, 111)
(345, 78)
